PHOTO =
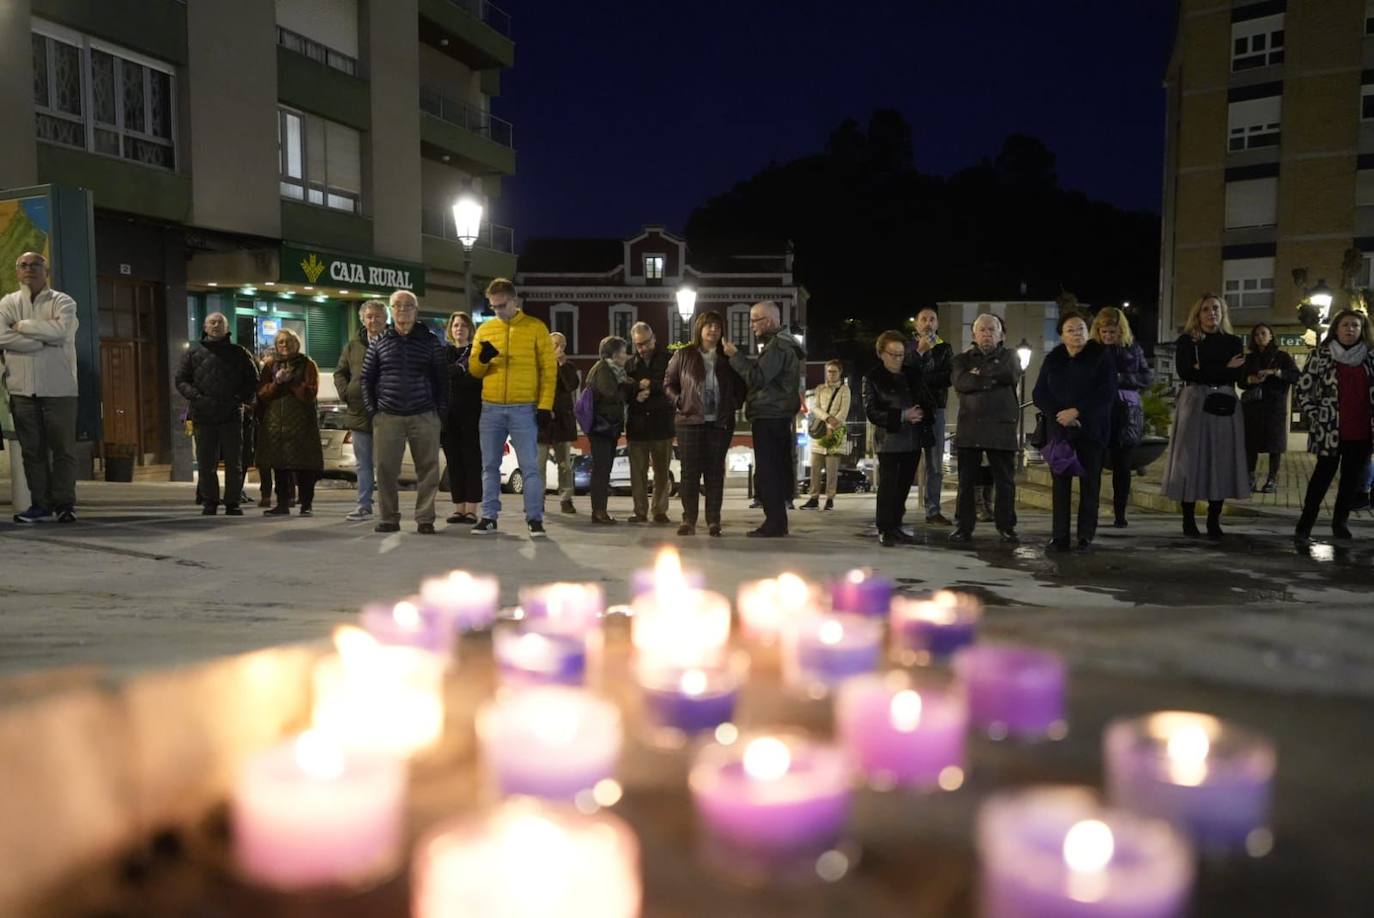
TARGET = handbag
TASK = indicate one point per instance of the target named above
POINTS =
(1039, 435)
(1128, 424)
(818, 428)
(1220, 403)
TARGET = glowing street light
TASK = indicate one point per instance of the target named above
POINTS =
(1023, 353)
(686, 303)
(467, 217)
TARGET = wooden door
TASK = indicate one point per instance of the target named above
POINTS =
(119, 392)
(132, 314)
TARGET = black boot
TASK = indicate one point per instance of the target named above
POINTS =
(1214, 520)
(1190, 519)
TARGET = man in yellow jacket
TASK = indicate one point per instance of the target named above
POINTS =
(513, 356)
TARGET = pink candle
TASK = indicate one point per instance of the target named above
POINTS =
(821, 651)
(926, 630)
(307, 814)
(766, 605)
(861, 592)
(466, 601)
(408, 623)
(901, 736)
(1013, 691)
(549, 741)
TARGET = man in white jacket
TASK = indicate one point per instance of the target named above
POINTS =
(38, 335)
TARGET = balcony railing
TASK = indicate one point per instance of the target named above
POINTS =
(489, 13)
(294, 41)
(492, 236)
(470, 117)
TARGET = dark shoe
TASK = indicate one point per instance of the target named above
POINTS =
(812, 504)
(484, 527)
(1340, 531)
(34, 514)
(636, 518)
(1057, 546)
(536, 529)
(960, 536)
(306, 511)
(424, 528)
(1085, 544)
(938, 520)
(568, 507)
(1270, 487)
(830, 503)
(1009, 536)
(233, 510)
(754, 504)
(687, 529)
(278, 510)
(1214, 531)
(457, 519)
(1119, 522)
(1302, 535)
(762, 533)
(604, 519)
(208, 509)
(387, 527)
(66, 515)
(1190, 527)
(885, 539)
(662, 519)
(714, 530)
(359, 515)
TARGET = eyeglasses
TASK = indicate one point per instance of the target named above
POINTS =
(25, 265)
(895, 355)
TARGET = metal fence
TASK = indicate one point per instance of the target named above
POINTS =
(294, 41)
(489, 13)
(467, 116)
(492, 236)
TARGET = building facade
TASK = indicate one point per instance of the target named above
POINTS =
(1269, 158)
(275, 160)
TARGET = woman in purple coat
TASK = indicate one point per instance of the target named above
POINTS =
(1133, 374)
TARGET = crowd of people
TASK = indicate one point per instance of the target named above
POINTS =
(507, 385)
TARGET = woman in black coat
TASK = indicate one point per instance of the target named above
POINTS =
(462, 448)
(902, 412)
(1075, 391)
(1269, 373)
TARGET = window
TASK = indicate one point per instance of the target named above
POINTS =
(679, 329)
(1248, 283)
(1365, 278)
(1369, 17)
(1367, 102)
(740, 331)
(1257, 42)
(622, 319)
(320, 161)
(97, 97)
(1252, 203)
(653, 267)
(563, 319)
(1254, 123)
(1364, 188)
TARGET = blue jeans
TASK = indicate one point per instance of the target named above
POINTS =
(518, 423)
(367, 481)
(935, 467)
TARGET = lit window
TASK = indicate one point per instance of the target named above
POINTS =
(653, 267)
(1254, 123)
(319, 161)
(1257, 42)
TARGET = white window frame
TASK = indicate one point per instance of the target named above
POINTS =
(1248, 283)
(558, 309)
(621, 309)
(730, 313)
(301, 188)
(1253, 123)
(1257, 42)
(659, 261)
(1233, 221)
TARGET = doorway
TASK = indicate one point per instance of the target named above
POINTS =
(133, 368)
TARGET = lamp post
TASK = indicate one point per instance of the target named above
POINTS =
(1320, 296)
(467, 219)
(686, 307)
(1023, 354)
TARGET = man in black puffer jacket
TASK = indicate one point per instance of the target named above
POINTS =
(218, 379)
(405, 392)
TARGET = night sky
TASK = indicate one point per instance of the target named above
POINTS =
(629, 113)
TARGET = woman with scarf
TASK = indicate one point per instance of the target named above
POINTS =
(1269, 372)
(289, 435)
(1335, 395)
(1207, 454)
(606, 379)
(462, 448)
(1111, 330)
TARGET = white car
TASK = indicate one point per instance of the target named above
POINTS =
(620, 471)
(513, 481)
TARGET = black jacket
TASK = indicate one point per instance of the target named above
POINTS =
(562, 426)
(935, 365)
(886, 395)
(464, 392)
(773, 377)
(405, 374)
(218, 379)
(651, 419)
(988, 404)
(1205, 361)
(1086, 381)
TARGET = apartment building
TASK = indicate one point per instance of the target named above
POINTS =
(275, 160)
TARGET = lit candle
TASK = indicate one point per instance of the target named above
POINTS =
(861, 592)
(821, 651)
(549, 741)
(768, 799)
(525, 860)
(900, 736)
(467, 601)
(1209, 777)
(1055, 853)
(933, 629)
(308, 814)
(680, 702)
(530, 655)
(1013, 691)
(764, 605)
(667, 576)
(408, 623)
(572, 608)
(686, 629)
(376, 696)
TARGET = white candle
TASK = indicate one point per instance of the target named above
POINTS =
(306, 814)
(528, 860)
(549, 741)
(765, 605)
(466, 601)
(687, 629)
(570, 608)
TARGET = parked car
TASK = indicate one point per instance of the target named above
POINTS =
(514, 482)
(620, 471)
(851, 481)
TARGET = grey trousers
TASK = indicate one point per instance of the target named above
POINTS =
(643, 453)
(390, 434)
(46, 428)
(562, 454)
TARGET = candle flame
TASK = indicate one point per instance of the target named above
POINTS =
(356, 647)
(555, 724)
(858, 575)
(832, 632)
(1187, 750)
(693, 682)
(318, 756)
(1089, 846)
(668, 570)
(767, 759)
(905, 711)
(407, 615)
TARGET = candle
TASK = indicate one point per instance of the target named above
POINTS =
(378, 696)
(467, 601)
(667, 576)
(573, 608)
(1210, 778)
(308, 814)
(530, 655)
(686, 629)
(764, 605)
(861, 592)
(901, 736)
(771, 798)
(933, 629)
(821, 651)
(1055, 853)
(679, 702)
(1013, 691)
(409, 623)
(528, 859)
(549, 741)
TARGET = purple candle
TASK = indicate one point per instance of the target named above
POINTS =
(925, 630)
(861, 592)
(821, 651)
(530, 655)
(1013, 691)
(682, 701)
(1208, 777)
(549, 741)
(900, 736)
(572, 608)
(1054, 852)
(466, 601)
(408, 623)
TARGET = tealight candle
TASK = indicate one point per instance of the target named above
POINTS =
(771, 797)
(1210, 778)
(764, 605)
(821, 651)
(377, 696)
(408, 623)
(1013, 691)
(679, 702)
(900, 734)
(933, 629)
(861, 592)
(549, 741)
(686, 629)
(308, 814)
(528, 859)
(573, 608)
(531, 655)
(467, 601)
(667, 576)
(1055, 853)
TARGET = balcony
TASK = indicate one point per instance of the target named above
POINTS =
(489, 13)
(294, 41)
(466, 116)
(493, 255)
(492, 236)
(473, 31)
(453, 129)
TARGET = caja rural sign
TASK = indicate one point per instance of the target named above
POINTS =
(320, 268)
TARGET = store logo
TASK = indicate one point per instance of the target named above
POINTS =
(312, 267)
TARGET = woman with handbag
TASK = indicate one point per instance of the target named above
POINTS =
(289, 437)
(1336, 396)
(1207, 454)
(1269, 372)
(1112, 331)
(1075, 392)
(607, 382)
(829, 436)
(902, 411)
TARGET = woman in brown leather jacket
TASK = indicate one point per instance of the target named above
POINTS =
(706, 392)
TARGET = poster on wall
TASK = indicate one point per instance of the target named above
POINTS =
(25, 226)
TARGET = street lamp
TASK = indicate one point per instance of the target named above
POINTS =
(467, 219)
(1023, 354)
(686, 305)
(1320, 296)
